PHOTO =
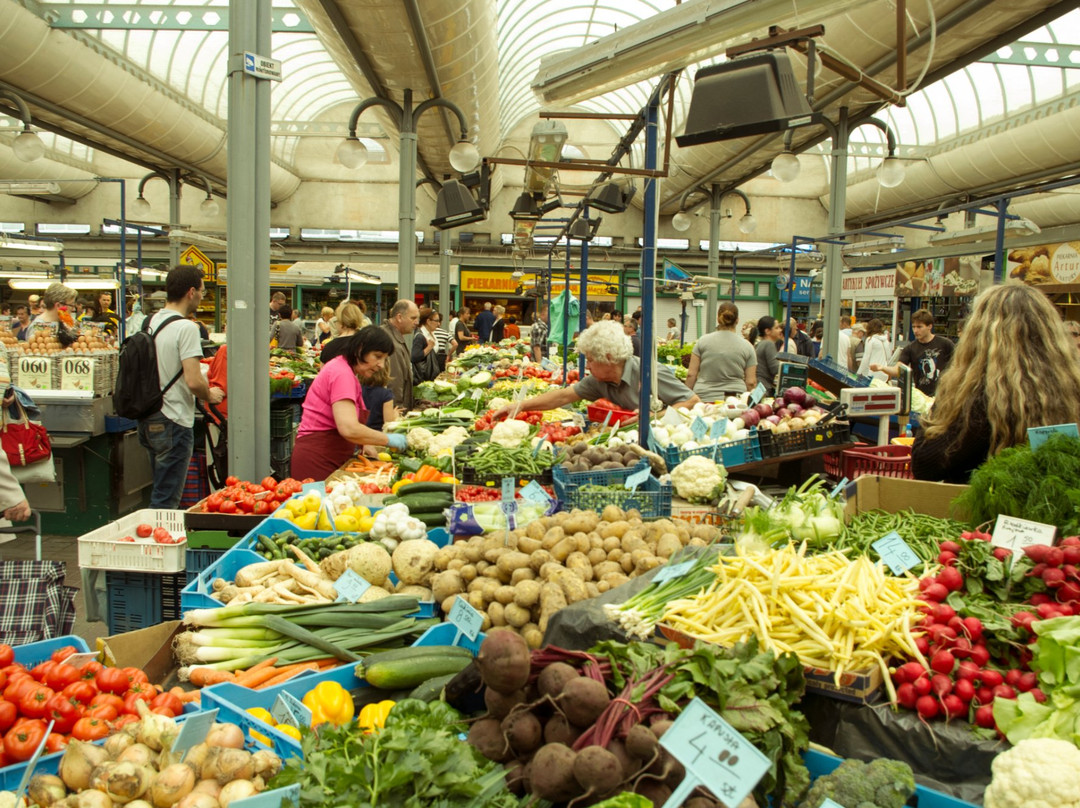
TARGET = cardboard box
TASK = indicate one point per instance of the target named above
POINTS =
(148, 648)
(861, 687)
(892, 494)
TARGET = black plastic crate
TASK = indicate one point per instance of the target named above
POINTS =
(281, 422)
(139, 600)
(777, 444)
(200, 559)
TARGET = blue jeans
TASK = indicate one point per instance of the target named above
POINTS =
(170, 447)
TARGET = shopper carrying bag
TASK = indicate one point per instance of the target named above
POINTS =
(27, 446)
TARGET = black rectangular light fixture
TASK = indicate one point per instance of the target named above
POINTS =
(455, 206)
(610, 197)
(750, 95)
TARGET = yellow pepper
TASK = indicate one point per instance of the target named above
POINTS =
(373, 716)
(400, 484)
(264, 716)
(329, 702)
(290, 730)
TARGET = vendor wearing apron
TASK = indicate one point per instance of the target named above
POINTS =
(335, 416)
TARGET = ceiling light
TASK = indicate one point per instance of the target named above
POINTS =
(545, 145)
(464, 156)
(352, 153)
(584, 230)
(891, 172)
(79, 284)
(29, 187)
(610, 197)
(747, 224)
(25, 243)
(455, 206)
(681, 221)
(28, 146)
(209, 206)
(1013, 229)
(786, 166)
(140, 207)
(525, 207)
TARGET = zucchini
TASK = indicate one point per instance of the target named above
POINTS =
(414, 651)
(426, 488)
(402, 673)
(432, 518)
(425, 503)
(432, 689)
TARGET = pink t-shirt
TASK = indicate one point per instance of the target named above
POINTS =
(335, 382)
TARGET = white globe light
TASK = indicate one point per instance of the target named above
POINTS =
(140, 207)
(464, 156)
(681, 221)
(352, 153)
(210, 207)
(747, 224)
(28, 147)
(891, 172)
(786, 166)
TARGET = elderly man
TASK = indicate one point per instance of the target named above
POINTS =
(404, 319)
(614, 373)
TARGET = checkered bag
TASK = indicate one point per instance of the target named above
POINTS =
(34, 603)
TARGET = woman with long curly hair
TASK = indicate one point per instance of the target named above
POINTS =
(1015, 367)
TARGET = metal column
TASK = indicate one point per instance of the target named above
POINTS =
(712, 293)
(174, 215)
(249, 242)
(830, 340)
(445, 304)
(584, 290)
(648, 270)
(407, 204)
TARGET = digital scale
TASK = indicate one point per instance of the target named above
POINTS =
(869, 402)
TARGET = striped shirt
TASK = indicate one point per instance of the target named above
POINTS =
(442, 340)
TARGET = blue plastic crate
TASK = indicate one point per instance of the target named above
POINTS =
(563, 478)
(233, 701)
(198, 560)
(730, 454)
(819, 763)
(34, 653)
(139, 600)
(652, 498)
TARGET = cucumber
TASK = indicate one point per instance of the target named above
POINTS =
(432, 519)
(426, 488)
(432, 689)
(426, 503)
(402, 673)
(412, 652)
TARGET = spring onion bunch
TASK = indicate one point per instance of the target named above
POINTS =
(639, 615)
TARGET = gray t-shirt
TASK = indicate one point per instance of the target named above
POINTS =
(289, 335)
(768, 366)
(176, 343)
(725, 357)
(625, 393)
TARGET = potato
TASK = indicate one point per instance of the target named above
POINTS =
(615, 555)
(444, 557)
(627, 563)
(596, 556)
(648, 563)
(504, 595)
(473, 552)
(576, 523)
(611, 514)
(533, 636)
(553, 537)
(516, 616)
(491, 571)
(593, 589)
(493, 554)
(529, 545)
(697, 543)
(563, 549)
(448, 604)
(668, 545)
(550, 570)
(603, 587)
(481, 565)
(611, 543)
(527, 594)
(446, 584)
(510, 561)
(477, 601)
(615, 529)
(477, 585)
(468, 573)
(572, 586)
(633, 540)
(539, 558)
(614, 579)
(552, 600)
(604, 567)
(457, 564)
(496, 611)
(705, 532)
(486, 625)
(580, 565)
(536, 530)
(522, 574)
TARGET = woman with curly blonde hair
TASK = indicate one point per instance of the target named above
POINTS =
(1015, 367)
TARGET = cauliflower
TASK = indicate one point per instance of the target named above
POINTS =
(882, 783)
(699, 480)
(498, 403)
(510, 433)
(1036, 773)
(419, 438)
(445, 443)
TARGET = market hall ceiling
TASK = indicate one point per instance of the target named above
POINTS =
(158, 98)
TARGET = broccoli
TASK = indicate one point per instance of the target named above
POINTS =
(855, 784)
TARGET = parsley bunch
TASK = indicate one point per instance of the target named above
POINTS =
(410, 763)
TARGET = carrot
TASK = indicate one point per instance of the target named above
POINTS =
(204, 677)
(286, 673)
(253, 671)
(253, 678)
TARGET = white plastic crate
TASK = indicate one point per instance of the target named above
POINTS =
(101, 549)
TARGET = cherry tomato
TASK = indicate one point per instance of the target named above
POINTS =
(87, 729)
(60, 654)
(113, 680)
(144, 531)
(22, 741)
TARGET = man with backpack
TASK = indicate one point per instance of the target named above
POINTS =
(160, 377)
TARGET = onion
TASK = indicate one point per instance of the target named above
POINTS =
(78, 764)
(781, 427)
(117, 743)
(46, 789)
(226, 764)
(228, 735)
(91, 798)
(763, 409)
(266, 763)
(211, 787)
(766, 425)
(198, 799)
(156, 731)
(750, 418)
(237, 790)
(797, 395)
(138, 753)
(138, 804)
(772, 419)
(811, 418)
(796, 423)
(125, 782)
(795, 410)
(172, 784)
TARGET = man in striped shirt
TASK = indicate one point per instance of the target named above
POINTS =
(538, 335)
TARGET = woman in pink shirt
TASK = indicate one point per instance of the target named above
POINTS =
(335, 417)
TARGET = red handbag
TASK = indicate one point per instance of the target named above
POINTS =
(24, 442)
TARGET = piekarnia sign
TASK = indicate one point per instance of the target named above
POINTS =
(874, 285)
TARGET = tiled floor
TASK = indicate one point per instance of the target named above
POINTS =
(65, 549)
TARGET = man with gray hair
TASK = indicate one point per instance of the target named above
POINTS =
(403, 320)
(484, 321)
(614, 373)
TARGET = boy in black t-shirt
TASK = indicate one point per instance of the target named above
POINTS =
(927, 355)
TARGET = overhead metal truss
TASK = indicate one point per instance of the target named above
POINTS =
(160, 17)
(1036, 54)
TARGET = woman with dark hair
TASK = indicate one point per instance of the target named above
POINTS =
(335, 415)
(768, 366)
(425, 347)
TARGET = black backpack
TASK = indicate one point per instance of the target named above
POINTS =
(138, 391)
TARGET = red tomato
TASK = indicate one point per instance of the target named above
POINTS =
(161, 535)
(17, 688)
(62, 675)
(262, 507)
(246, 503)
(22, 741)
(81, 691)
(105, 712)
(35, 702)
(256, 489)
(269, 483)
(90, 670)
(137, 675)
(112, 680)
(7, 655)
(123, 721)
(89, 729)
(143, 531)
(39, 672)
(8, 713)
(60, 654)
(62, 713)
(126, 538)
(231, 480)
(56, 742)
(228, 506)
(169, 701)
(213, 502)
(115, 702)
(131, 699)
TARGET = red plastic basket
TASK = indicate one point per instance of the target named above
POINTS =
(885, 461)
(598, 414)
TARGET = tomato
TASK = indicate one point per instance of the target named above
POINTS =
(269, 483)
(89, 729)
(112, 680)
(17, 688)
(39, 672)
(7, 655)
(256, 489)
(81, 691)
(262, 507)
(126, 538)
(137, 675)
(231, 480)
(161, 535)
(246, 503)
(90, 670)
(131, 698)
(8, 713)
(35, 702)
(60, 654)
(168, 700)
(116, 702)
(22, 741)
(56, 742)
(213, 502)
(143, 531)
(105, 712)
(62, 713)
(62, 675)
(124, 720)
(228, 506)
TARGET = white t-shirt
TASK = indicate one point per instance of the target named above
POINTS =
(876, 353)
(176, 343)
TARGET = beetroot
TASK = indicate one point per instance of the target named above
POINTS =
(487, 737)
(551, 775)
(641, 743)
(499, 704)
(582, 700)
(523, 732)
(515, 777)
(658, 793)
(597, 770)
(554, 677)
(504, 661)
(559, 730)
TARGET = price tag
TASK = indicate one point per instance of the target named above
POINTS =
(637, 478)
(35, 373)
(508, 489)
(290, 710)
(1037, 435)
(350, 587)
(77, 373)
(1016, 534)
(274, 798)
(546, 364)
(718, 428)
(669, 571)
(78, 660)
(30, 764)
(672, 418)
(699, 428)
(607, 420)
(534, 492)
(896, 554)
(194, 731)
(838, 488)
(827, 803)
(476, 395)
(757, 394)
(714, 754)
(465, 618)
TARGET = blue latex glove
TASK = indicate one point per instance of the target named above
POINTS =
(396, 442)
